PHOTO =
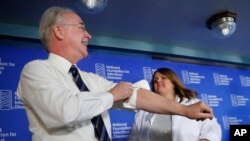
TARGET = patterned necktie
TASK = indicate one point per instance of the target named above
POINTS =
(100, 130)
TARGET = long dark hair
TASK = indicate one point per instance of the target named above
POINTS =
(179, 87)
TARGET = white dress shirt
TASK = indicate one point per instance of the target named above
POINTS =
(183, 129)
(56, 109)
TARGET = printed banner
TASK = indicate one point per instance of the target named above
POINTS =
(226, 90)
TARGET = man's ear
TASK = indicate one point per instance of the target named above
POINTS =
(57, 30)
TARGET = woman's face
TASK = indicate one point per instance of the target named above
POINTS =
(162, 84)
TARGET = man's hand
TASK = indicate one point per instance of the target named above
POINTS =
(122, 91)
(199, 111)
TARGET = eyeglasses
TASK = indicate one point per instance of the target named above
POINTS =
(81, 26)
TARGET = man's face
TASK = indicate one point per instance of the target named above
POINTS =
(76, 35)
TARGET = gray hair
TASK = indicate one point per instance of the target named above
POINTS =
(49, 18)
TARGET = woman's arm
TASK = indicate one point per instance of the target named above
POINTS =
(152, 102)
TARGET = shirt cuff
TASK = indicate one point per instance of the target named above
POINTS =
(132, 100)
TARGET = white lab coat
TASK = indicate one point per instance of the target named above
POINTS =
(183, 129)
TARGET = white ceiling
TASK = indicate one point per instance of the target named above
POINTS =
(169, 26)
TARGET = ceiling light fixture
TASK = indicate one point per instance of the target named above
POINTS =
(222, 24)
(92, 6)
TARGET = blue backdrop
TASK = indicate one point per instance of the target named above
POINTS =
(224, 89)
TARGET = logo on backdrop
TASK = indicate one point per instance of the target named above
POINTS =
(120, 130)
(147, 73)
(110, 72)
(6, 101)
(238, 100)
(3, 65)
(211, 100)
(227, 121)
(245, 81)
(221, 79)
(100, 69)
(191, 77)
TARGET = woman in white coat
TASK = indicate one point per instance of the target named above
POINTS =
(156, 127)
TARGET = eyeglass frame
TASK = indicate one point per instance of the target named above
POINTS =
(80, 25)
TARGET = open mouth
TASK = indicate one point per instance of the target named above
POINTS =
(84, 43)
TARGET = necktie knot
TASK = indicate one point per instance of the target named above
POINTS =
(77, 79)
(73, 68)
(74, 71)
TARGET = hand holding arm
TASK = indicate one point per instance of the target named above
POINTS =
(199, 111)
(121, 91)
